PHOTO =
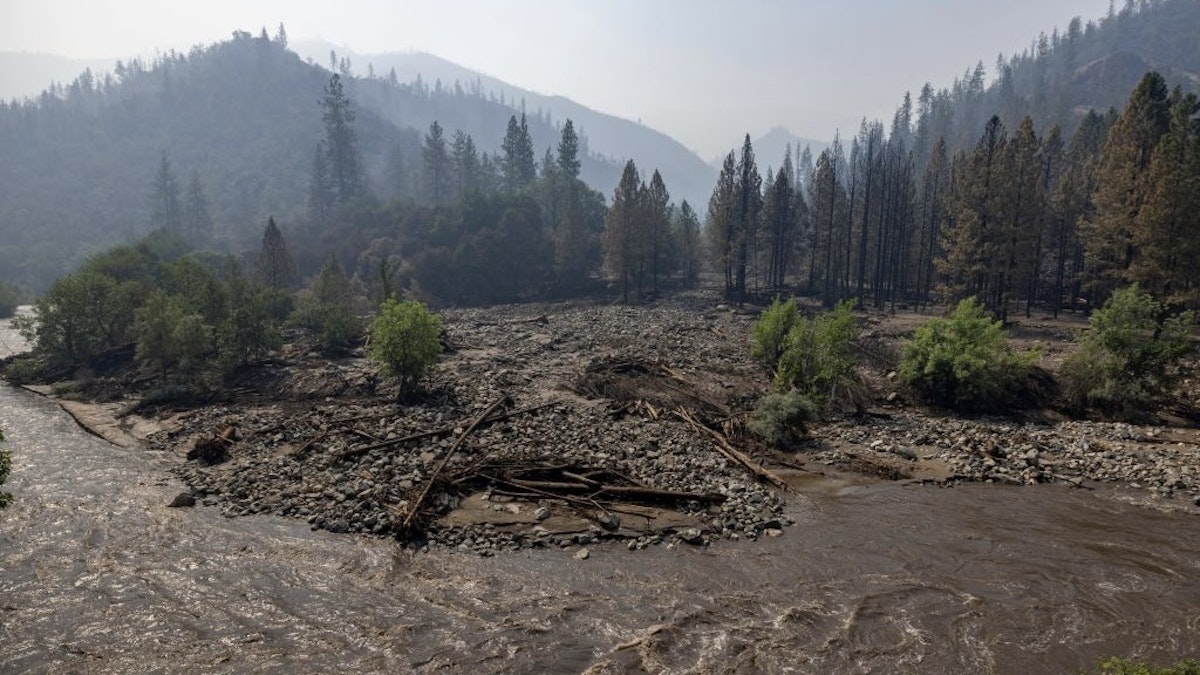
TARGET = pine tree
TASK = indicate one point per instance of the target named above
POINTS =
(657, 207)
(1122, 187)
(275, 265)
(321, 190)
(621, 230)
(568, 151)
(779, 225)
(934, 186)
(437, 174)
(197, 221)
(166, 211)
(746, 213)
(341, 143)
(721, 228)
(518, 166)
(1166, 233)
(687, 243)
(465, 159)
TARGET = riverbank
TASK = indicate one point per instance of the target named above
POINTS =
(588, 435)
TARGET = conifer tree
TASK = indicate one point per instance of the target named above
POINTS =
(746, 213)
(568, 151)
(321, 190)
(779, 225)
(166, 212)
(621, 230)
(721, 229)
(657, 227)
(1166, 233)
(437, 166)
(688, 247)
(275, 265)
(465, 159)
(518, 165)
(197, 221)
(1121, 185)
(341, 142)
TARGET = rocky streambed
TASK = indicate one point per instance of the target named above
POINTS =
(587, 396)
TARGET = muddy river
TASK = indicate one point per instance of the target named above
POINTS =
(97, 575)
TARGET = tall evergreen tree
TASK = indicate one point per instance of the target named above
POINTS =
(322, 193)
(779, 229)
(197, 221)
(1166, 233)
(621, 230)
(722, 228)
(437, 174)
(688, 247)
(519, 166)
(465, 159)
(166, 209)
(341, 142)
(657, 228)
(746, 213)
(568, 151)
(275, 265)
(1121, 185)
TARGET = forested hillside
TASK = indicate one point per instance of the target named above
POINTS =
(612, 137)
(231, 129)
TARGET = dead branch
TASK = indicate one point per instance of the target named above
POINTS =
(727, 449)
(416, 506)
(444, 431)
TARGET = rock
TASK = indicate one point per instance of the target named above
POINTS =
(183, 499)
(542, 513)
(582, 554)
(691, 535)
(209, 451)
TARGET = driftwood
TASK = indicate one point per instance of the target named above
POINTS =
(416, 505)
(443, 431)
(726, 448)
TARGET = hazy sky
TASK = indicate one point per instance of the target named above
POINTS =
(704, 71)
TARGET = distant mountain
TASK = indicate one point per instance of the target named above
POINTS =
(1090, 65)
(769, 149)
(24, 75)
(687, 176)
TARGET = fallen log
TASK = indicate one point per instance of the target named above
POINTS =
(443, 431)
(723, 445)
(416, 505)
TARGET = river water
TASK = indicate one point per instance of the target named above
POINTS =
(98, 575)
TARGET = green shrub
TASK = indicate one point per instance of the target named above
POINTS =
(1125, 361)
(5, 469)
(327, 311)
(965, 362)
(82, 315)
(779, 417)
(771, 330)
(169, 339)
(1119, 666)
(404, 339)
(818, 358)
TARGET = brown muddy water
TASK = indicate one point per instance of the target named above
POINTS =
(98, 576)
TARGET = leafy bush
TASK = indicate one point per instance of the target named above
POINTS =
(771, 330)
(5, 469)
(781, 416)
(169, 339)
(82, 315)
(404, 339)
(327, 311)
(965, 362)
(1125, 363)
(818, 358)
(1119, 666)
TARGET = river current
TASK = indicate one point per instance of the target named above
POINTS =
(97, 575)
